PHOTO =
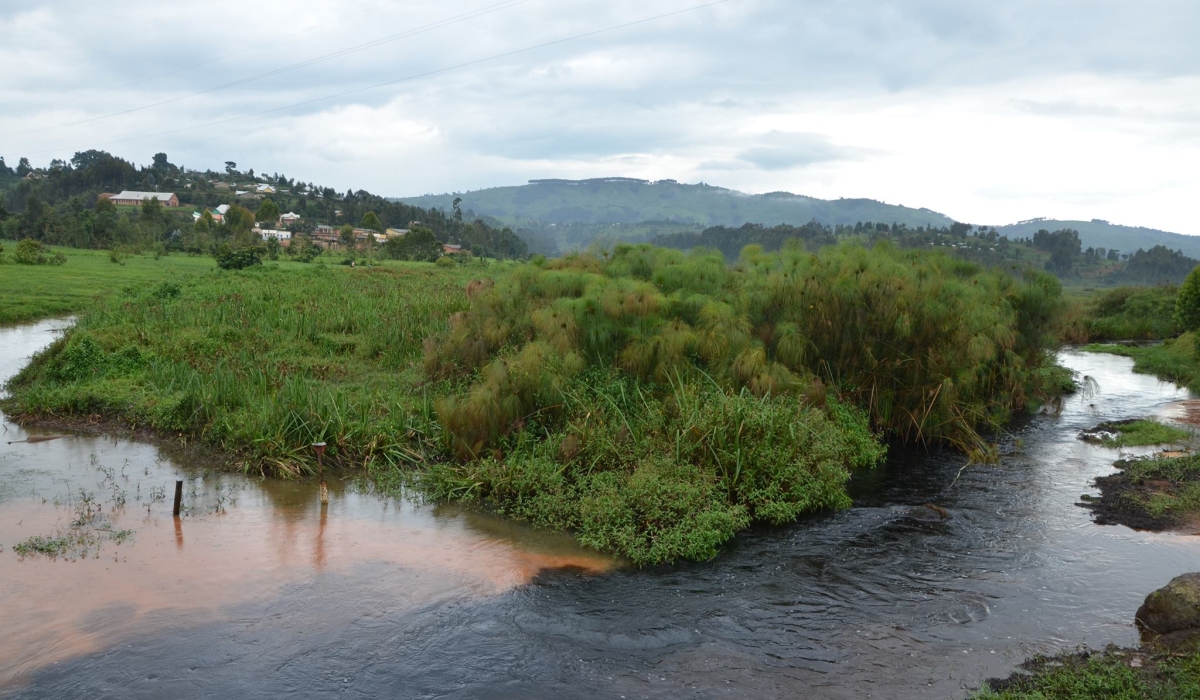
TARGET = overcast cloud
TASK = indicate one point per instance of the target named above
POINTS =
(989, 111)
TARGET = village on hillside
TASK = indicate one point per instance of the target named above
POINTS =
(281, 228)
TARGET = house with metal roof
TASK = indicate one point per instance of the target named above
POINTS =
(167, 199)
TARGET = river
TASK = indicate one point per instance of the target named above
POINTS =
(259, 592)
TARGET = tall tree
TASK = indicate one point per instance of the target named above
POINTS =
(371, 221)
(268, 212)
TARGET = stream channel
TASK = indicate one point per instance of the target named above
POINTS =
(258, 592)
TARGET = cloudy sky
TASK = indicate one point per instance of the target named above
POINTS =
(990, 111)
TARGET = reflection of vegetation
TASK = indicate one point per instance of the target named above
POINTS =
(1119, 674)
(89, 528)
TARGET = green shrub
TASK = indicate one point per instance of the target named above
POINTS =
(933, 348)
(31, 252)
(660, 476)
(445, 261)
(1134, 313)
(237, 258)
(1187, 306)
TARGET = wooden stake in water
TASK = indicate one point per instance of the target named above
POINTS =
(178, 497)
(319, 448)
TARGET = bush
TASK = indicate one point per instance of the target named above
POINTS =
(1187, 305)
(31, 252)
(238, 258)
(931, 347)
(446, 261)
(659, 478)
(1134, 313)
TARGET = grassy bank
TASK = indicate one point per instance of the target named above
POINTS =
(1174, 360)
(1114, 674)
(1135, 433)
(651, 402)
(1152, 493)
(32, 292)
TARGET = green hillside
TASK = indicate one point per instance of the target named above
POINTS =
(1101, 234)
(629, 201)
(625, 200)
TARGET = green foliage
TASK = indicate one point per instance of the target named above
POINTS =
(419, 244)
(932, 348)
(1187, 306)
(655, 476)
(268, 212)
(1108, 674)
(1142, 432)
(260, 364)
(1176, 486)
(1134, 313)
(446, 261)
(237, 258)
(371, 221)
(731, 241)
(1173, 360)
(31, 252)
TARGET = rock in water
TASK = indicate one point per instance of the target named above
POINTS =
(1172, 613)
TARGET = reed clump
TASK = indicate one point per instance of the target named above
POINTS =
(932, 348)
(663, 475)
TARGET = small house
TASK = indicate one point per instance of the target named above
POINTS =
(133, 198)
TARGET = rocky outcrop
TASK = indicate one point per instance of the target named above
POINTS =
(1171, 615)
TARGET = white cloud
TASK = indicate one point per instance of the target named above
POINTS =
(990, 112)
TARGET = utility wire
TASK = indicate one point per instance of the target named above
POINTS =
(407, 78)
(489, 9)
(239, 52)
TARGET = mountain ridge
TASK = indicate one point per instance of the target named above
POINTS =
(622, 200)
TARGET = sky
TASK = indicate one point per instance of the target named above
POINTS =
(991, 111)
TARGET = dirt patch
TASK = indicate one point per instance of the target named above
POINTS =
(1123, 500)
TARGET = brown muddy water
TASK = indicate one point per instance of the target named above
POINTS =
(258, 592)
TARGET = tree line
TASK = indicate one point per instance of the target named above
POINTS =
(62, 205)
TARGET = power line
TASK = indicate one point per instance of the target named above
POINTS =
(489, 9)
(239, 52)
(407, 78)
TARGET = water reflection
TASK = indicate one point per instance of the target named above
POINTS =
(246, 540)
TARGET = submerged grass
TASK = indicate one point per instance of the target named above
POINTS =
(1113, 674)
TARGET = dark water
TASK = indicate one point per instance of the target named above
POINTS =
(265, 597)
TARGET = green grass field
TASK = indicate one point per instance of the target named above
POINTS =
(31, 292)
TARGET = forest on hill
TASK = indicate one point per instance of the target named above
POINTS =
(628, 201)
(62, 205)
(572, 213)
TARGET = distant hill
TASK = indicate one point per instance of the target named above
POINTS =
(628, 201)
(1101, 234)
(619, 200)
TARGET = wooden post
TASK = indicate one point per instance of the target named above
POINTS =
(319, 448)
(178, 497)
